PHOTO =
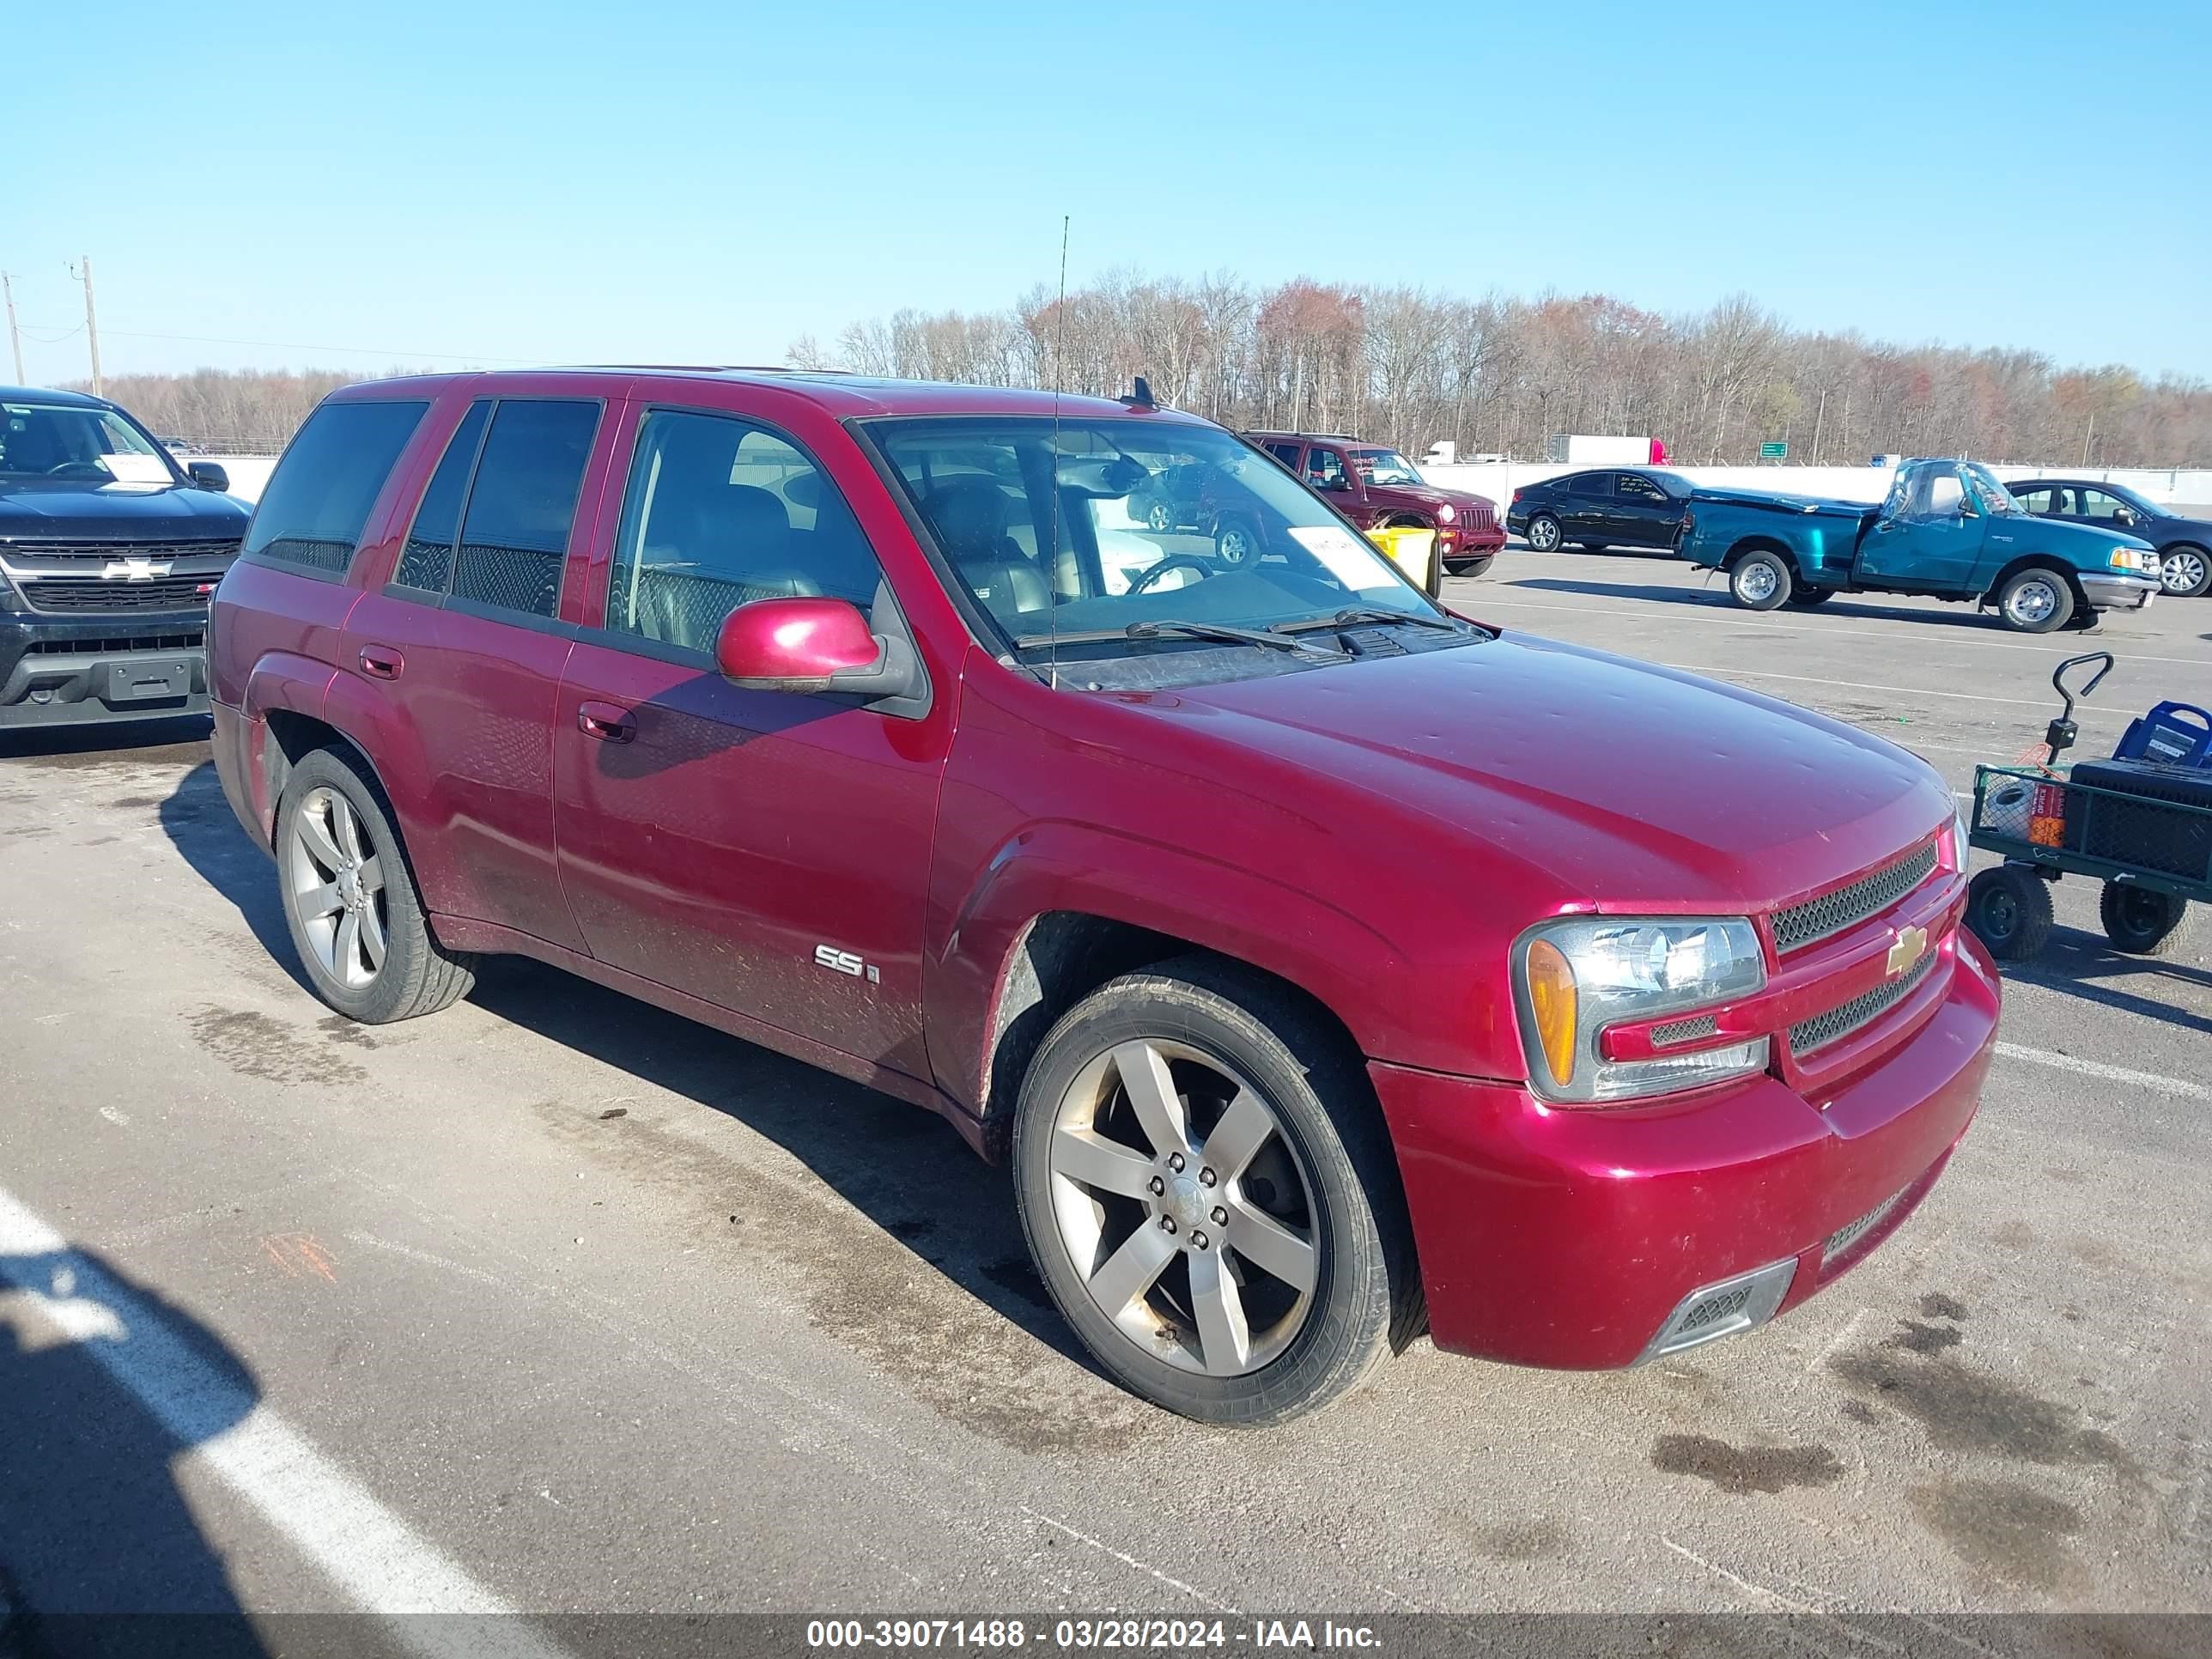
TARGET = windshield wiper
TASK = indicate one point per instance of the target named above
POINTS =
(1207, 630)
(1353, 614)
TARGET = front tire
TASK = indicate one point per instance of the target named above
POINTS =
(2009, 908)
(1544, 533)
(2140, 921)
(1761, 580)
(2185, 572)
(1236, 543)
(350, 900)
(1265, 1292)
(1468, 568)
(2035, 601)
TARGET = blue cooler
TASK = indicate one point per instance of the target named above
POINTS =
(2173, 734)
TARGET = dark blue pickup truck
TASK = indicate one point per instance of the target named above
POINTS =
(1947, 529)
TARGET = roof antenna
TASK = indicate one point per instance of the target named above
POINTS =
(1142, 398)
(1059, 366)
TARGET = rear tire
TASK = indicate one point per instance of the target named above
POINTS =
(1544, 533)
(1761, 580)
(1237, 545)
(2140, 921)
(2035, 601)
(1209, 1317)
(349, 899)
(2009, 908)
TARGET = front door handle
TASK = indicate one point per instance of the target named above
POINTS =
(381, 661)
(605, 722)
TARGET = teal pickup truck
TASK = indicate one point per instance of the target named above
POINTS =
(1946, 528)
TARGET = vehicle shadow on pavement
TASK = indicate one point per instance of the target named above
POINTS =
(1716, 597)
(199, 822)
(103, 1385)
(96, 744)
(900, 1166)
(2081, 964)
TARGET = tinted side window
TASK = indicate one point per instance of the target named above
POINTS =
(1287, 454)
(319, 496)
(427, 562)
(515, 538)
(1640, 488)
(717, 514)
(2036, 500)
(1593, 483)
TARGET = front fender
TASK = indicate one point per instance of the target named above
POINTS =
(1189, 895)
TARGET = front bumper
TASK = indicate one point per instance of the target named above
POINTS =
(73, 671)
(1574, 1238)
(2112, 591)
(1457, 544)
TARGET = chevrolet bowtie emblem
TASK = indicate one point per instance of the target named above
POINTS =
(133, 570)
(1907, 948)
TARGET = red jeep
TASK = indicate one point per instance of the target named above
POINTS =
(1374, 486)
(1326, 965)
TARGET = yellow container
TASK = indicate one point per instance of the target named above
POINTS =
(1413, 550)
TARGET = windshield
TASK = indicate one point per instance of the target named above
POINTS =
(1384, 466)
(69, 441)
(1992, 496)
(1153, 522)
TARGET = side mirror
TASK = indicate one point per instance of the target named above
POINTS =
(208, 476)
(2125, 515)
(810, 645)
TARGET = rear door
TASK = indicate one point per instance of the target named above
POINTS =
(1588, 504)
(466, 643)
(767, 852)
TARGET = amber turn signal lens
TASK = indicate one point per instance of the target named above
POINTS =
(1552, 999)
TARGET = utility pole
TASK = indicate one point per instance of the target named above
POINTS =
(91, 326)
(2090, 433)
(14, 339)
(1819, 419)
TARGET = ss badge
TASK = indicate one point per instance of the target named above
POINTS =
(844, 962)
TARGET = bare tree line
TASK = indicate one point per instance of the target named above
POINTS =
(1408, 366)
(1498, 375)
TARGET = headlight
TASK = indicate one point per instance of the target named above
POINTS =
(2142, 561)
(1961, 833)
(1573, 979)
(1446, 513)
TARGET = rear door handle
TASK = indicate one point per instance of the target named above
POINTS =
(605, 722)
(381, 661)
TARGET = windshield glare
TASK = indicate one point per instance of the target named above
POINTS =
(1087, 528)
(63, 441)
(1992, 496)
(1384, 466)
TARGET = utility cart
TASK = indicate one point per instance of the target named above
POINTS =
(2141, 822)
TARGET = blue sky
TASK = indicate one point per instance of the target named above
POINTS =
(435, 183)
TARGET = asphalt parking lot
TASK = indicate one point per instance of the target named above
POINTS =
(556, 1302)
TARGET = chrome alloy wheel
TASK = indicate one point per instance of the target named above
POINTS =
(336, 885)
(1183, 1207)
(2183, 571)
(1543, 534)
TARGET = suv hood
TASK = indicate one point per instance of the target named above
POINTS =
(1432, 495)
(36, 510)
(1639, 787)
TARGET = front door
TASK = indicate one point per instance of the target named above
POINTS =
(1928, 538)
(1645, 515)
(765, 851)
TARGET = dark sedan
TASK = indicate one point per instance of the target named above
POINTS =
(2184, 545)
(1610, 506)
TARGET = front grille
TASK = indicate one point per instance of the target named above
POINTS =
(1850, 1234)
(1821, 1029)
(98, 554)
(1829, 913)
(109, 647)
(70, 594)
(1482, 517)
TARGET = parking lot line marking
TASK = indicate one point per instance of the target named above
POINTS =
(2174, 1086)
(375, 1558)
(1702, 613)
(1126, 1560)
(1905, 690)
